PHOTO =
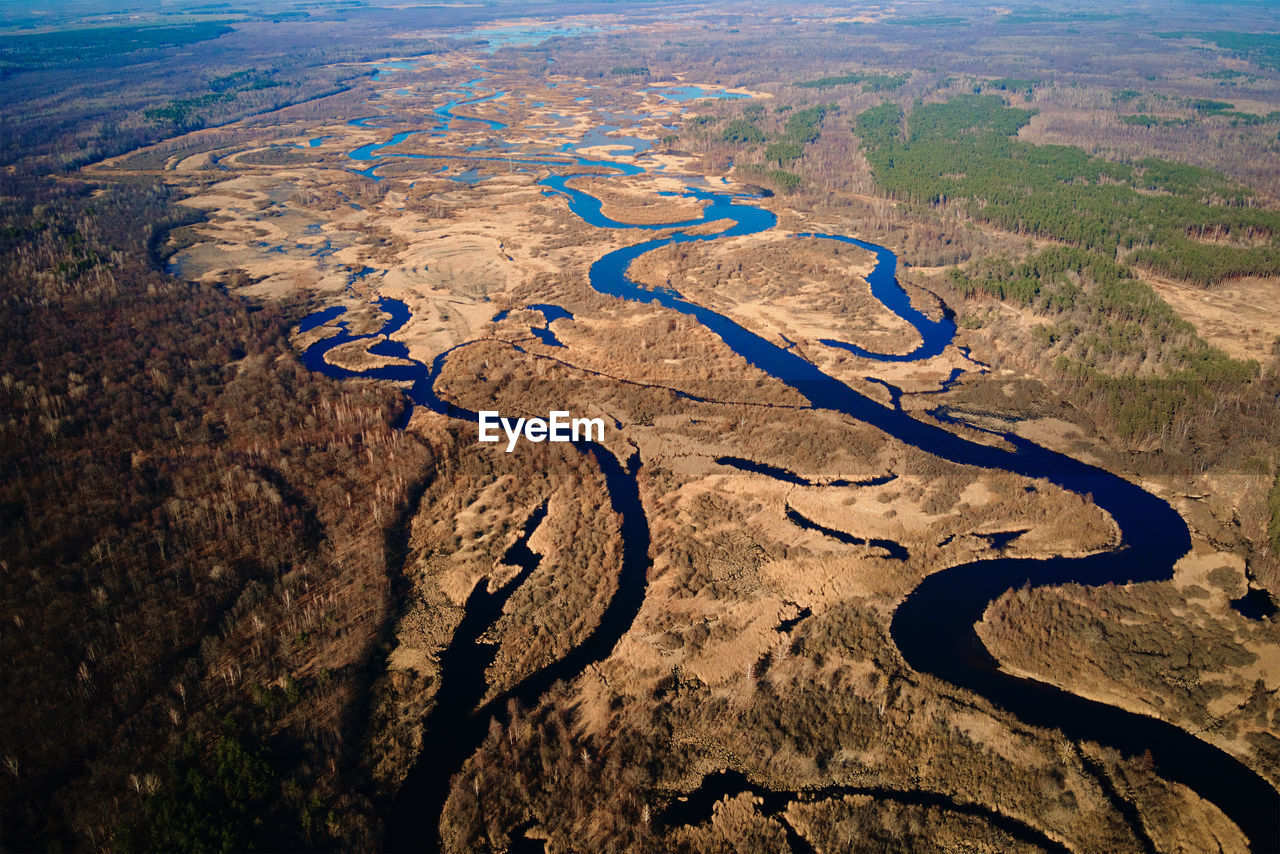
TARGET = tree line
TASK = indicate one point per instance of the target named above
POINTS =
(963, 151)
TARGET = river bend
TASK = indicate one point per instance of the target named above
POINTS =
(934, 626)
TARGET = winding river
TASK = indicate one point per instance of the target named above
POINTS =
(933, 627)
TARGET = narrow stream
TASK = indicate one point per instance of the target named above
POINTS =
(697, 806)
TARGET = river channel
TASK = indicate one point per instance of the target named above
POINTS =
(933, 627)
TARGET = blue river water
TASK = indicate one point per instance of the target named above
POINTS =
(935, 334)
(933, 627)
(693, 93)
(550, 314)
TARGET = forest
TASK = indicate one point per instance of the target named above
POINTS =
(1111, 335)
(963, 151)
(174, 483)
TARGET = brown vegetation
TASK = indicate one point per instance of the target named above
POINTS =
(1176, 650)
(215, 562)
(194, 526)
